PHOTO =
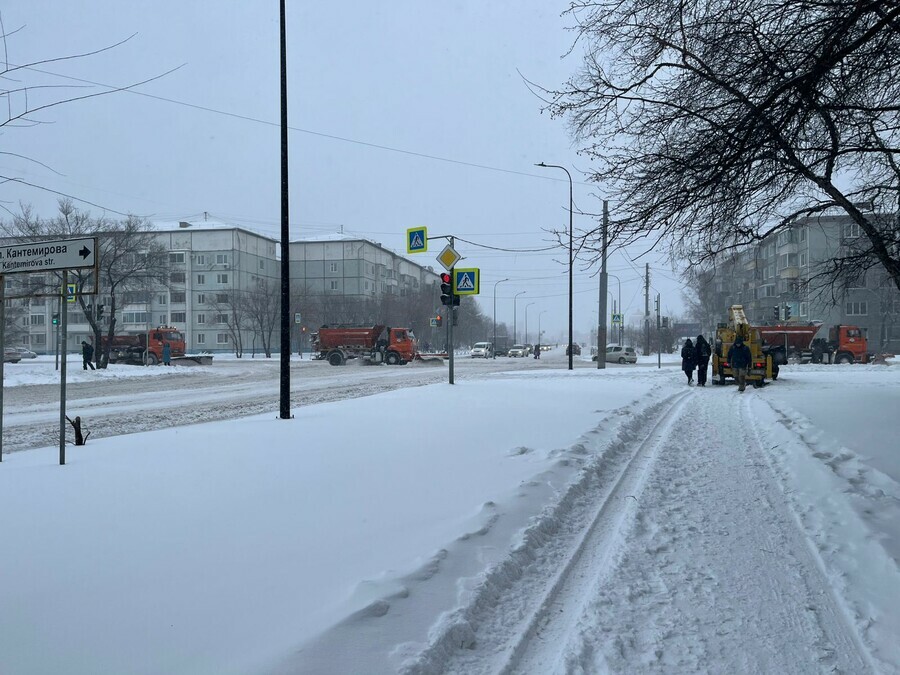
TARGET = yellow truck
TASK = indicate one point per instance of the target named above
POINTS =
(761, 365)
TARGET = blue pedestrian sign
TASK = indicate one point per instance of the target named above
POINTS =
(417, 240)
(465, 282)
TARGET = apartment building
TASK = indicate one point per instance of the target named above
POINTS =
(780, 273)
(210, 261)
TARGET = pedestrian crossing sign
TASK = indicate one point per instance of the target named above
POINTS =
(617, 318)
(466, 282)
(70, 292)
(417, 240)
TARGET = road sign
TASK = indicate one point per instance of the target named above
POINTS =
(617, 318)
(466, 281)
(39, 256)
(448, 257)
(433, 322)
(417, 240)
(70, 292)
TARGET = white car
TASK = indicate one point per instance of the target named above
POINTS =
(482, 350)
(619, 354)
(518, 350)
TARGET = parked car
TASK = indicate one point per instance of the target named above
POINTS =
(518, 350)
(575, 348)
(10, 355)
(25, 353)
(481, 350)
(501, 351)
(619, 354)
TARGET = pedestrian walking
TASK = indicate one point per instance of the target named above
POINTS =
(167, 354)
(702, 351)
(739, 357)
(688, 360)
(537, 351)
(87, 353)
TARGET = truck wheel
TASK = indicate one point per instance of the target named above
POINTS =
(392, 359)
(151, 359)
(336, 359)
(845, 358)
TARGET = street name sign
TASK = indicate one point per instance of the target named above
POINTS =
(39, 256)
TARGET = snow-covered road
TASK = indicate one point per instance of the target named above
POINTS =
(678, 552)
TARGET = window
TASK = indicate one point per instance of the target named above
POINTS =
(221, 258)
(179, 317)
(333, 285)
(804, 308)
(162, 320)
(37, 302)
(177, 277)
(857, 308)
(177, 296)
(221, 318)
(786, 237)
(201, 279)
(38, 339)
(176, 257)
(38, 319)
(201, 338)
(221, 298)
(768, 291)
(221, 278)
(201, 259)
(201, 298)
(804, 259)
(162, 300)
(333, 267)
(201, 318)
(802, 234)
(787, 260)
(851, 230)
(262, 264)
(135, 317)
(222, 338)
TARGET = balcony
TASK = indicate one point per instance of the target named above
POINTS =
(791, 272)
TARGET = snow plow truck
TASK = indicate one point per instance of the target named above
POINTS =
(374, 344)
(844, 344)
(131, 348)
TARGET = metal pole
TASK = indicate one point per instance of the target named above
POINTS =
(647, 310)
(285, 349)
(601, 326)
(450, 315)
(63, 324)
(494, 343)
(526, 321)
(515, 321)
(658, 336)
(571, 248)
(2, 343)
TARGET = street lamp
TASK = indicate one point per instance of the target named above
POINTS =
(526, 320)
(515, 323)
(494, 344)
(557, 166)
(540, 314)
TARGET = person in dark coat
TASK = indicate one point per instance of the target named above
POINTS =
(739, 357)
(87, 353)
(688, 360)
(167, 354)
(702, 351)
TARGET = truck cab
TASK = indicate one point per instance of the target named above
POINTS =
(848, 344)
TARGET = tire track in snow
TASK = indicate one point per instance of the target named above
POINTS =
(526, 600)
(716, 575)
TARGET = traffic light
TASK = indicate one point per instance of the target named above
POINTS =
(787, 312)
(456, 299)
(99, 312)
(55, 320)
(446, 289)
(439, 319)
(777, 312)
(665, 322)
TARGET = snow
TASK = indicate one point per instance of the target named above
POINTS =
(536, 520)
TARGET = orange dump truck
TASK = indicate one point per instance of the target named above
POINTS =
(132, 347)
(844, 344)
(376, 344)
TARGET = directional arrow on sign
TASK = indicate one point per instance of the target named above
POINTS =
(84, 252)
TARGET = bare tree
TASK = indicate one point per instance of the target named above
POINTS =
(263, 312)
(130, 260)
(232, 308)
(718, 123)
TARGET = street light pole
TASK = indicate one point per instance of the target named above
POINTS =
(601, 323)
(515, 323)
(538, 343)
(557, 166)
(526, 321)
(494, 343)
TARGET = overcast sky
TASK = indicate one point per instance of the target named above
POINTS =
(402, 114)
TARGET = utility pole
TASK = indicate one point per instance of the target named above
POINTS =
(658, 336)
(601, 322)
(647, 308)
